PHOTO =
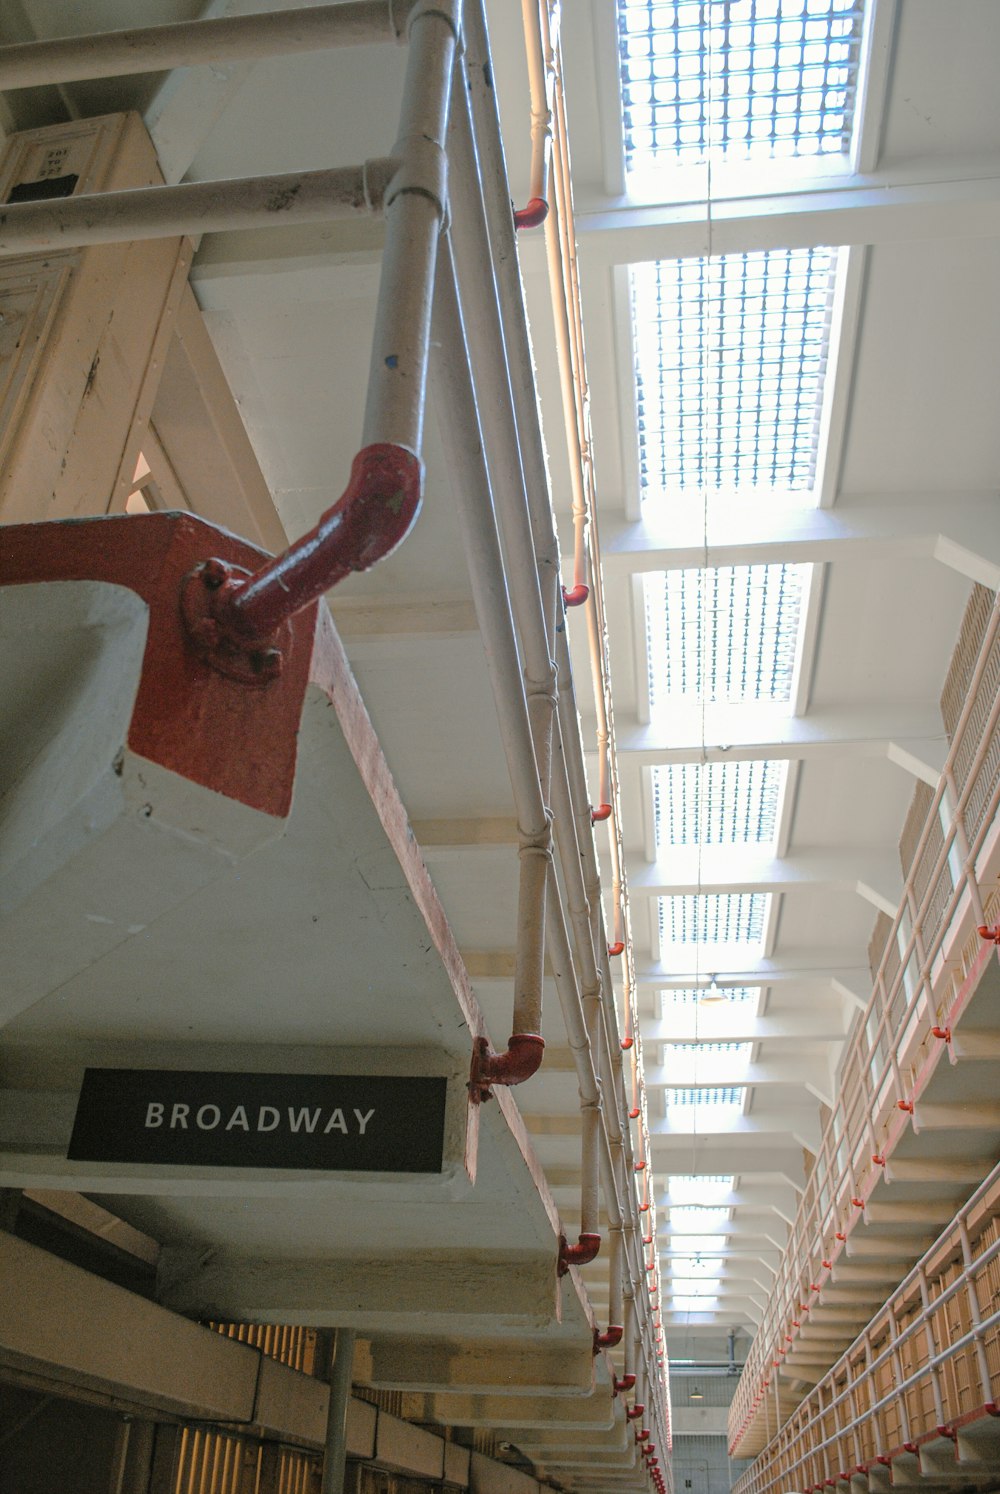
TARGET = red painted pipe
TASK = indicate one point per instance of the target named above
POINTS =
(609, 1339)
(627, 1382)
(575, 596)
(617, 948)
(522, 1058)
(635, 1412)
(534, 213)
(580, 1254)
(374, 515)
(600, 813)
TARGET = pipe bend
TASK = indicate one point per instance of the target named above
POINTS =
(575, 596)
(522, 1058)
(373, 515)
(609, 1339)
(580, 1254)
(599, 813)
(534, 213)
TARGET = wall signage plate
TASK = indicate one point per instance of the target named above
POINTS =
(330, 1122)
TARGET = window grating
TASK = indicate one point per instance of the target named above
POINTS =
(713, 1095)
(725, 634)
(699, 1217)
(688, 995)
(705, 804)
(693, 1186)
(713, 918)
(704, 1244)
(730, 354)
(688, 1051)
(741, 79)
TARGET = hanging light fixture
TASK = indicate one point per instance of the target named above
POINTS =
(713, 991)
(696, 1395)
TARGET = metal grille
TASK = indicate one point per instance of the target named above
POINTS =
(709, 1095)
(723, 634)
(737, 79)
(730, 357)
(717, 803)
(713, 918)
(688, 995)
(688, 1051)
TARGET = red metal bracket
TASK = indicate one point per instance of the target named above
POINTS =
(580, 1254)
(205, 594)
(522, 1059)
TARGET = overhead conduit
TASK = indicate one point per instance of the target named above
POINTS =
(588, 934)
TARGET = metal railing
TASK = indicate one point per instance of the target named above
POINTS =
(931, 963)
(927, 1364)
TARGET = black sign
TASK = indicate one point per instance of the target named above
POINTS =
(333, 1122)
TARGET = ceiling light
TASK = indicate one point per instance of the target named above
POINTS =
(696, 1395)
(713, 991)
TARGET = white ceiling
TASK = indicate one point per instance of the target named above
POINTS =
(915, 452)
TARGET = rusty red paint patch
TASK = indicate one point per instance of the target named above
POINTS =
(235, 740)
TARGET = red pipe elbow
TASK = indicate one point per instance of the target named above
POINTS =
(374, 514)
(635, 1412)
(617, 948)
(609, 1339)
(522, 1059)
(534, 212)
(627, 1382)
(600, 813)
(580, 1254)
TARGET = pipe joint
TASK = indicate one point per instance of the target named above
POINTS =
(377, 175)
(609, 1339)
(449, 11)
(522, 1059)
(422, 169)
(533, 214)
(237, 621)
(580, 1254)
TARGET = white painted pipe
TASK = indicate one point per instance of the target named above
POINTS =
(415, 204)
(462, 437)
(501, 237)
(194, 208)
(154, 49)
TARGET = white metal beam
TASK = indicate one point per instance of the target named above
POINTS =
(688, 869)
(959, 529)
(879, 207)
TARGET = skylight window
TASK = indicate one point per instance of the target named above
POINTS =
(730, 354)
(726, 634)
(704, 804)
(693, 1267)
(737, 79)
(694, 1303)
(736, 1055)
(695, 1188)
(708, 1097)
(690, 995)
(708, 918)
(697, 1217)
